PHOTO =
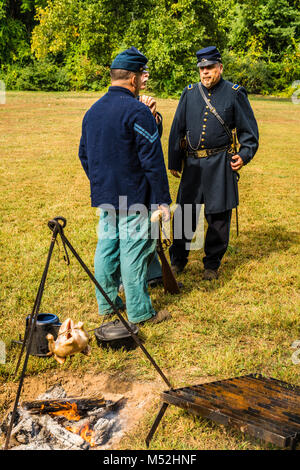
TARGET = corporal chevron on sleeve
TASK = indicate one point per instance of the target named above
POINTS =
(152, 138)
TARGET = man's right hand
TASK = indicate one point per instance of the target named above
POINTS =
(165, 212)
(175, 173)
(150, 102)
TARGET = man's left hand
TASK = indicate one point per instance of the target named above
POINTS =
(236, 163)
(150, 102)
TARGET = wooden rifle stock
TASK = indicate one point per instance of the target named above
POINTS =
(169, 281)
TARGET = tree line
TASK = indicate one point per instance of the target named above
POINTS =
(70, 44)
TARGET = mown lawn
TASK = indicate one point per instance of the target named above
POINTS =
(245, 322)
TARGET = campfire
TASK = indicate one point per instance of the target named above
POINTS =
(85, 432)
(68, 410)
(55, 421)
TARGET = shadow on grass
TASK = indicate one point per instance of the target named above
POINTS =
(251, 245)
(258, 245)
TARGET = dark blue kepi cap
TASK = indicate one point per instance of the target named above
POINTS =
(131, 59)
(208, 56)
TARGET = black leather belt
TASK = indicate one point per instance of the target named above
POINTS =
(206, 152)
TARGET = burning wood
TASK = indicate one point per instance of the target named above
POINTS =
(67, 439)
(85, 432)
(72, 408)
(49, 423)
(69, 411)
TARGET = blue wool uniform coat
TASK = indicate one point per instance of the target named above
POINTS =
(120, 151)
(211, 180)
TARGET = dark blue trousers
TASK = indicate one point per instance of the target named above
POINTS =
(216, 240)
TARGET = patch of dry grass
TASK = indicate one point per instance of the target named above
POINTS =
(244, 322)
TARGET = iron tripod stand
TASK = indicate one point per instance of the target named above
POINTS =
(57, 229)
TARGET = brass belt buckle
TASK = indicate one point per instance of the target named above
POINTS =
(201, 153)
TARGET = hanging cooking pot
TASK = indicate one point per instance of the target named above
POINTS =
(115, 335)
(46, 323)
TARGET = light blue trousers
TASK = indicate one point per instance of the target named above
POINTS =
(154, 269)
(124, 249)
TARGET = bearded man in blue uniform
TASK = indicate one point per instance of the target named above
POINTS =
(121, 153)
(200, 146)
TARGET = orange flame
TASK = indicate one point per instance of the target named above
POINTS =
(85, 432)
(88, 435)
(69, 411)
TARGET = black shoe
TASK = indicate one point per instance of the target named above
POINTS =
(158, 281)
(176, 269)
(210, 274)
(162, 315)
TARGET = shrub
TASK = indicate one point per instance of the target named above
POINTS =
(261, 75)
(84, 74)
(39, 75)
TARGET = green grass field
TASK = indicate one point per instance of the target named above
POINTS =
(242, 323)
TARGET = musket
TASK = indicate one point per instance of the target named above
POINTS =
(169, 281)
(235, 148)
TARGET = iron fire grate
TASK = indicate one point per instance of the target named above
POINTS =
(263, 407)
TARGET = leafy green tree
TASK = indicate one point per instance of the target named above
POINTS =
(89, 33)
(88, 27)
(16, 24)
(265, 27)
(76, 41)
(176, 31)
(83, 35)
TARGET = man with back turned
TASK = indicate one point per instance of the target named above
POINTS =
(200, 146)
(121, 153)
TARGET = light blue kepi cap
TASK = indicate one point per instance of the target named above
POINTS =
(131, 59)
